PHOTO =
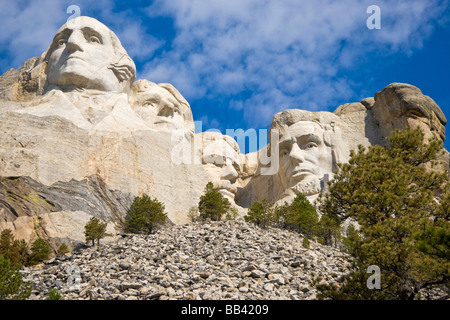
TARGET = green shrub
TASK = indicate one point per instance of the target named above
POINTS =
(40, 251)
(53, 294)
(232, 213)
(302, 215)
(305, 243)
(12, 286)
(213, 205)
(15, 251)
(95, 230)
(145, 215)
(329, 230)
(62, 250)
(260, 213)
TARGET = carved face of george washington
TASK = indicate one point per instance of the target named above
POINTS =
(86, 54)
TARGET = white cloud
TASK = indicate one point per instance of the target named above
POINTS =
(286, 52)
(28, 28)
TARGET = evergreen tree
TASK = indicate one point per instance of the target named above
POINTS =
(40, 251)
(62, 250)
(212, 204)
(390, 193)
(260, 213)
(305, 243)
(12, 249)
(329, 230)
(11, 285)
(95, 230)
(280, 215)
(145, 214)
(302, 215)
(54, 294)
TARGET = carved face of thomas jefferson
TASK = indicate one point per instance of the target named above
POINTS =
(162, 106)
(86, 54)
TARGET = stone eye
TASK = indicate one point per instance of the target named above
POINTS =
(94, 39)
(150, 103)
(177, 110)
(311, 145)
(61, 42)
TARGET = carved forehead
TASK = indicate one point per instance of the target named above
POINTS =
(91, 25)
(302, 129)
(84, 23)
(152, 90)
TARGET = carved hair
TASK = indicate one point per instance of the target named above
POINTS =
(123, 66)
(187, 112)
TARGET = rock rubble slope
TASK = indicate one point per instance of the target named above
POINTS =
(209, 261)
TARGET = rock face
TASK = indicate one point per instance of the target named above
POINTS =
(89, 142)
(222, 260)
(60, 211)
(25, 83)
(80, 138)
(399, 106)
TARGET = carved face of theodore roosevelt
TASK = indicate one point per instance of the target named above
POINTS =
(220, 156)
(86, 54)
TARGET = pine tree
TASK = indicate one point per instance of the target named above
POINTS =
(12, 286)
(145, 214)
(54, 294)
(212, 204)
(95, 230)
(302, 215)
(390, 193)
(280, 215)
(62, 250)
(260, 213)
(40, 251)
(14, 250)
(329, 230)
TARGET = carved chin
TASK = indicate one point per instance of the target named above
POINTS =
(83, 78)
(69, 77)
(307, 188)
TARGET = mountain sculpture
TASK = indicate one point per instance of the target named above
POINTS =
(81, 137)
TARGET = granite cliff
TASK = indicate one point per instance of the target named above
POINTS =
(81, 137)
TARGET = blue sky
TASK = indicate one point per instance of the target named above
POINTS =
(239, 62)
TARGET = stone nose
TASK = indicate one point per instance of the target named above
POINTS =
(228, 173)
(168, 110)
(75, 41)
(296, 155)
